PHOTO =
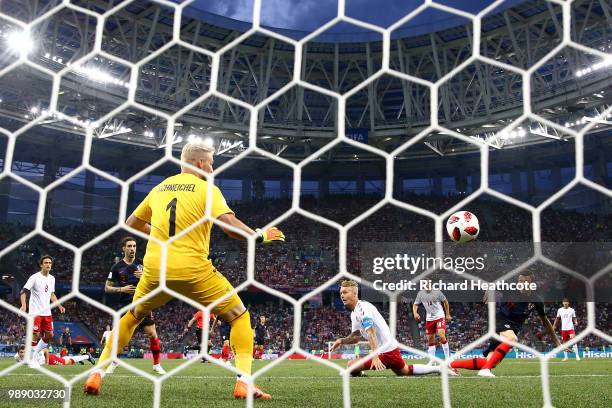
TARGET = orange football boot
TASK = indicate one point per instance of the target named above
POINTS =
(241, 391)
(92, 385)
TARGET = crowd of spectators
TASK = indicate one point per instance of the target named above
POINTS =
(320, 325)
(307, 259)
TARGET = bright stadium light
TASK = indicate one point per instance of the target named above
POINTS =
(98, 75)
(20, 42)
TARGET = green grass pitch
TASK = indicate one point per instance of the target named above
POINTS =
(300, 383)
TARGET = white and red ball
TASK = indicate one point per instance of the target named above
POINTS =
(462, 226)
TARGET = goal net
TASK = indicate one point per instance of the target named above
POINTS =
(123, 70)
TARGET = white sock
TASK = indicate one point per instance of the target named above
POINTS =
(446, 350)
(431, 351)
(40, 347)
(422, 369)
(100, 371)
(81, 357)
(565, 354)
(575, 348)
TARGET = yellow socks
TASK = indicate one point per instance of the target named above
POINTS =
(241, 339)
(127, 325)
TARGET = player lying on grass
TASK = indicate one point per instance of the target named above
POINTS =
(509, 319)
(46, 358)
(368, 323)
(175, 204)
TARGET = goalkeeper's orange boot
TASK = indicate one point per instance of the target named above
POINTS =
(92, 385)
(241, 391)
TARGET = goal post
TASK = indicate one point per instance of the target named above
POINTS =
(348, 351)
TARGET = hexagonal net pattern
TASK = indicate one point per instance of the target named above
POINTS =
(213, 91)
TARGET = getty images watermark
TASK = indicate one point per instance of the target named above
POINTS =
(465, 271)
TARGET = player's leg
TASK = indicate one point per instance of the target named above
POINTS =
(45, 326)
(444, 342)
(564, 338)
(431, 342)
(127, 325)
(475, 363)
(71, 360)
(211, 287)
(154, 343)
(494, 358)
(575, 346)
(358, 369)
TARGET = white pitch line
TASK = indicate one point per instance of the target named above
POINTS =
(219, 377)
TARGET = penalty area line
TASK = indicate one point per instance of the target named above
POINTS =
(220, 377)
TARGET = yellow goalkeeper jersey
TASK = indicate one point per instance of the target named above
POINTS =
(172, 206)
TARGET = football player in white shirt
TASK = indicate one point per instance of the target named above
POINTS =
(368, 323)
(105, 335)
(438, 313)
(41, 287)
(567, 316)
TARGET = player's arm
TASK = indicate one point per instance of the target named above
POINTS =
(46, 352)
(24, 293)
(190, 323)
(54, 299)
(446, 306)
(574, 319)
(415, 312)
(109, 288)
(352, 338)
(214, 324)
(263, 236)
(556, 323)
(23, 297)
(138, 224)
(546, 322)
(373, 342)
(140, 219)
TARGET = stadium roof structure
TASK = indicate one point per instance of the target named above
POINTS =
(570, 89)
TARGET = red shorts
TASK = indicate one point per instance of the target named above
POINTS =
(43, 324)
(391, 359)
(565, 334)
(55, 360)
(432, 326)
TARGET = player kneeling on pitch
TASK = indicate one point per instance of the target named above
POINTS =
(368, 323)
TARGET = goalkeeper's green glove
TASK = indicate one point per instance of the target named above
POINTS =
(270, 235)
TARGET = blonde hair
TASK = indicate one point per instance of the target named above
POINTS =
(349, 284)
(194, 151)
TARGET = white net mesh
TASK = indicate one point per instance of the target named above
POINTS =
(172, 39)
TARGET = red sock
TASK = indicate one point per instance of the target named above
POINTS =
(472, 364)
(154, 344)
(497, 356)
(71, 361)
(410, 369)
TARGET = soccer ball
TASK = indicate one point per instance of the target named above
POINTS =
(462, 227)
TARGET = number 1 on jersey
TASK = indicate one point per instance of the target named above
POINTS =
(172, 207)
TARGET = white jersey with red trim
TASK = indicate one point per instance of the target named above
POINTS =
(41, 287)
(567, 318)
(364, 316)
(433, 303)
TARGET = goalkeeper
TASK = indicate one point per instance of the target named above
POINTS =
(178, 203)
